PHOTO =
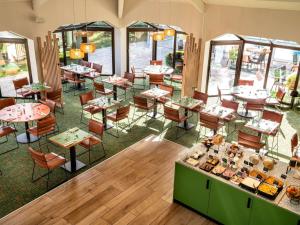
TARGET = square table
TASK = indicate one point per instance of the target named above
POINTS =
(155, 94)
(68, 140)
(116, 81)
(104, 103)
(187, 104)
(217, 110)
(37, 88)
(262, 126)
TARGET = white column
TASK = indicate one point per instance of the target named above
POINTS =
(120, 50)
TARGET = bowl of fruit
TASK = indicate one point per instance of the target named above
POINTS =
(293, 193)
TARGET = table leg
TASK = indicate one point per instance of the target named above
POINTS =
(186, 125)
(115, 89)
(73, 165)
(104, 120)
(153, 114)
(26, 137)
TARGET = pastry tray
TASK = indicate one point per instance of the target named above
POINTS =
(267, 195)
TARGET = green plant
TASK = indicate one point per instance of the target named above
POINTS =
(233, 53)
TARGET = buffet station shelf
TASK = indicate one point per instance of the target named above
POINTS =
(235, 185)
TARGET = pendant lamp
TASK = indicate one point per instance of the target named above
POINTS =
(158, 36)
(87, 47)
(169, 32)
(76, 53)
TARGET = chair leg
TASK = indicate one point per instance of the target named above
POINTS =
(48, 178)
(32, 175)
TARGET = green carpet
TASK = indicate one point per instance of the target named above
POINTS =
(15, 182)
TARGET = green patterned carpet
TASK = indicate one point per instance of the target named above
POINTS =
(16, 188)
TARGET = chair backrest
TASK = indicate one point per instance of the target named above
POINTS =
(156, 78)
(140, 101)
(5, 102)
(246, 82)
(46, 124)
(54, 95)
(132, 69)
(280, 94)
(168, 88)
(272, 115)
(248, 140)
(257, 105)
(99, 87)
(85, 63)
(96, 127)
(219, 93)
(123, 112)
(171, 114)
(69, 75)
(85, 97)
(97, 67)
(129, 76)
(200, 96)
(156, 62)
(231, 105)
(209, 121)
(19, 83)
(294, 143)
(51, 104)
(38, 157)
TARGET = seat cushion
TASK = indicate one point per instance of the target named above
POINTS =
(90, 142)
(6, 130)
(54, 160)
(149, 106)
(249, 144)
(163, 100)
(92, 109)
(25, 93)
(35, 132)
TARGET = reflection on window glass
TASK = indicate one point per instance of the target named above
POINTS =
(13, 65)
(165, 50)
(254, 62)
(69, 42)
(283, 70)
(222, 67)
(103, 53)
(60, 46)
(140, 49)
(179, 56)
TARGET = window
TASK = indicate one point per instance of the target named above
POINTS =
(165, 50)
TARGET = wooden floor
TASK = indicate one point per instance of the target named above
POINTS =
(133, 187)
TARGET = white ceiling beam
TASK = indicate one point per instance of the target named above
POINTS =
(120, 8)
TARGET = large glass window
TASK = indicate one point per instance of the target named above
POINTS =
(179, 55)
(13, 65)
(254, 63)
(165, 50)
(140, 49)
(103, 53)
(222, 67)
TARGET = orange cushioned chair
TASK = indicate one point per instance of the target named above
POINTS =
(209, 121)
(142, 103)
(19, 84)
(121, 114)
(250, 141)
(84, 99)
(100, 89)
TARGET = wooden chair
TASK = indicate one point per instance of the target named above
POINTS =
(176, 78)
(100, 89)
(73, 79)
(51, 104)
(156, 79)
(97, 73)
(92, 109)
(129, 84)
(275, 117)
(19, 84)
(254, 106)
(56, 96)
(139, 75)
(278, 99)
(48, 161)
(221, 96)
(232, 117)
(295, 158)
(142, 103)
(209, 121)
(85, 63)
(250, 141)
(5, 102)
(96, 128)
(202, 97)
(121, 114)
(156, 62)
(245, 82)
(5, 131)
(163, 100)
(43, 128)
(175, 116)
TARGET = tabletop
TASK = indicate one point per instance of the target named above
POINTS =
(116, 80)
(36, 87)
(155, 93)
(188, 103)
(247, 92)
(262, 125)
(217, 110)
(158, 69)
(70, 137)
(78, 69)
(24, 112)
(104, 102)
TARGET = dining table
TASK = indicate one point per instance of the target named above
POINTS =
(116, 81)
(218, 110)
(262, 126)
(155, 94)
(105, 103)
(158, 69)
(37, 89)
(68, 140)
(24, 113)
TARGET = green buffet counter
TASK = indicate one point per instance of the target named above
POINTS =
(227, 203)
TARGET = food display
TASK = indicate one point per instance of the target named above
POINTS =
(234, 150)
(197, 155)
(208, 143)
(218, 170)
(228, 173)
(213, 160)
(293, 193)
(268, 190)
(254, 159)
(250, 184)
(258, 175)
(217, 139)
(206, 166)
(236, 179)
(192, 162)
(268, 163)
(274, 181)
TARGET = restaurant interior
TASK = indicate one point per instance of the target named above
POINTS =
(149, 112)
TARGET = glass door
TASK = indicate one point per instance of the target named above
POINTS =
(222, 71)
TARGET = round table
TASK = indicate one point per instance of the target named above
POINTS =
(158, 69)
(24, 113)
(249, 93)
